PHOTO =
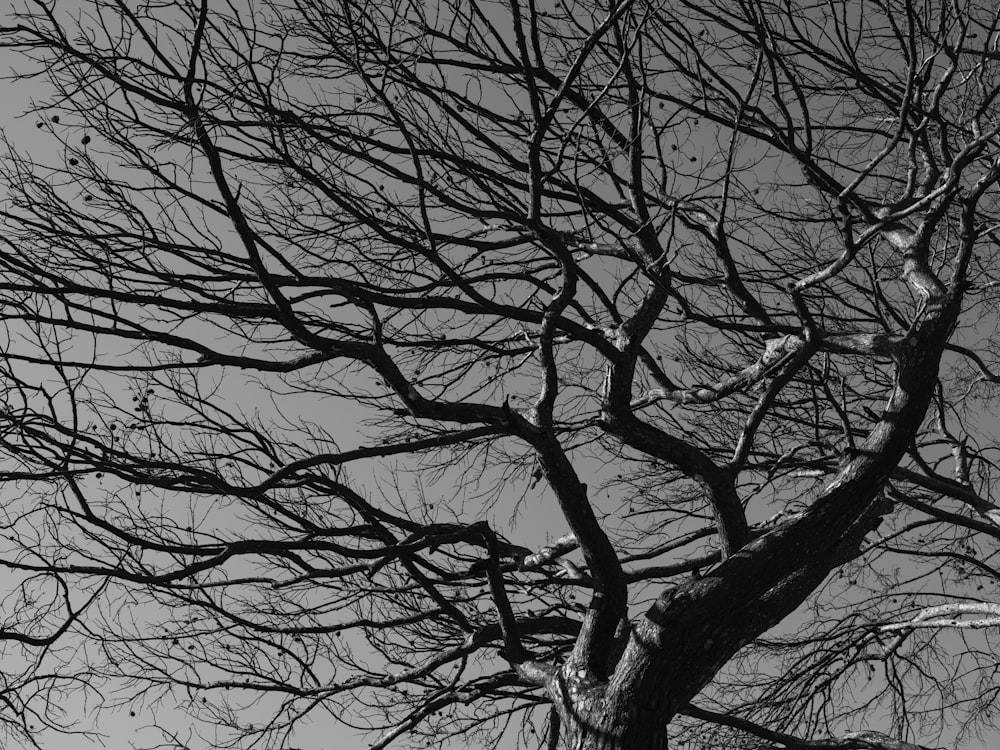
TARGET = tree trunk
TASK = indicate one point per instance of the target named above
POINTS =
(692, 630)
(592, 717)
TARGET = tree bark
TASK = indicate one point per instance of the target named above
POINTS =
(593, 717)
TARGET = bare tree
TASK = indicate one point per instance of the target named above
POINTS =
(573, 374)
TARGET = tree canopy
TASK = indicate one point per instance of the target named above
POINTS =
(510, 374)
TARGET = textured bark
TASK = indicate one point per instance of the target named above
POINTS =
(596, 718)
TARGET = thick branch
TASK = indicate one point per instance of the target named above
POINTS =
(776, 352)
